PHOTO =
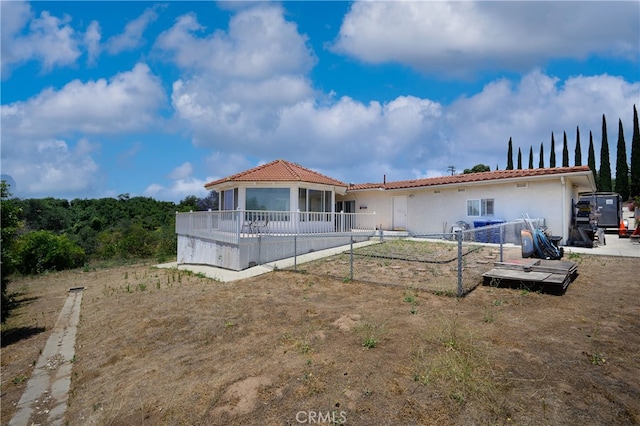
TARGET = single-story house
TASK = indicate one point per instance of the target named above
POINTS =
(433, 205)
(282, 200)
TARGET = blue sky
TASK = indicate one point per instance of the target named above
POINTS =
(158, 98)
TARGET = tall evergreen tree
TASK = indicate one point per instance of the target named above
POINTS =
(565, 152)
(634, 188)
(541, 163)
(577, 161)
(510, 156)
(604, 177)
(591, 159)
(519, 159)
(531, 157)
(622, 168)
(552, 155)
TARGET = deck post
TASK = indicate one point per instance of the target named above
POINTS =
(239, 222)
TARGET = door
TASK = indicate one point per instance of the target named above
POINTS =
(400, 213)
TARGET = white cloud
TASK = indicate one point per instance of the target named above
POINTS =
(458, 38)
(52, 166)
(410, 137)
(476, 129)
(177, 190)
(92, 42)
(220, 164)
(181, 172)
(35, 132)
(131, 38)
(259, 44)
(48, 39)
(127, 102)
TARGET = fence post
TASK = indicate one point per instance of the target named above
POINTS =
(501, 240)
(459, 238)
(351, 259)
(295, 252)
(239, 222)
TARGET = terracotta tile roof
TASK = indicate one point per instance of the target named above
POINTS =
(278, 171)
(470, 177)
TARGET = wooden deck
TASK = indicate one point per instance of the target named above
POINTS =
(546, 275)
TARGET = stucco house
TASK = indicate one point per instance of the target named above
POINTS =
(432, 205)
(290, 206)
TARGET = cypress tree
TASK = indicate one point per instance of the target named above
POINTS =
(622, 168)
(565, 152)
(635, 157)
(531, 157)
(591, 159)
(605, 166)
(510, 156)
(519, 159)
(552, 156)
(541, 163)
(577, 161)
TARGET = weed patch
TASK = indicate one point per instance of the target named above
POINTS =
(450, 363)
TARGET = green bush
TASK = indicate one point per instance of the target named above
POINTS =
(135, 241)
(138, 242)
(41, 251)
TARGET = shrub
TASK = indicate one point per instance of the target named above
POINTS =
(42, 251)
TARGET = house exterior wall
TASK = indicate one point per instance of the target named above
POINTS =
(435, 209)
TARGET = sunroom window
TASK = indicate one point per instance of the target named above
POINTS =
(313, 202)
(273, 199)
(229, 199)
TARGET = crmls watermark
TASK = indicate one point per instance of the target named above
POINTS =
(318, 417)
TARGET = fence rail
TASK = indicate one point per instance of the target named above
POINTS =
(443, 263)
(231, 226)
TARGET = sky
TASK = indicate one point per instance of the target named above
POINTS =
(157, 98)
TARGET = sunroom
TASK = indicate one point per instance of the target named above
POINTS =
(268, 213)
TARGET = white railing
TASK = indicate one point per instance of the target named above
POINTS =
(230, 226)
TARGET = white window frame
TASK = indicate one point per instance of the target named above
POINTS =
(479, 207)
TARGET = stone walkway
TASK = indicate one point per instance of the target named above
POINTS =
(44, 400)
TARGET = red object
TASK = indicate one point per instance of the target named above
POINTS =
(622, 230)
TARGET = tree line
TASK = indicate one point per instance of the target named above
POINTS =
(47, 234)
(627, 181)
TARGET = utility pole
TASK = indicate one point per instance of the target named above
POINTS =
(452, 169)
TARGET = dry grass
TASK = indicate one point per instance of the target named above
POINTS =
(165, 347)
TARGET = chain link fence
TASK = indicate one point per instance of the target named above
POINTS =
(441, 263)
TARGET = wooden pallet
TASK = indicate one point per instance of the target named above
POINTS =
(550, 275)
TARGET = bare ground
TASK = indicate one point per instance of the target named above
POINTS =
(167, 347)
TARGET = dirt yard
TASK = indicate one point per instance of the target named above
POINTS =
(161, 346)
